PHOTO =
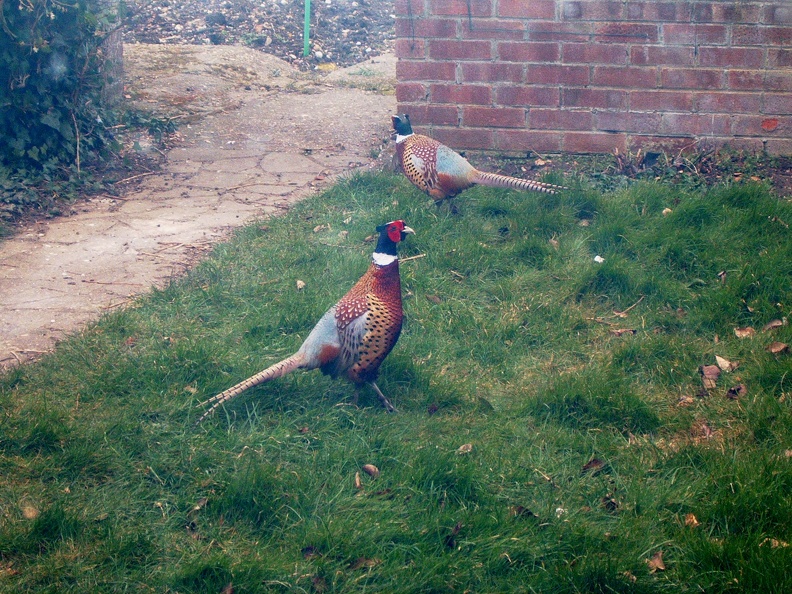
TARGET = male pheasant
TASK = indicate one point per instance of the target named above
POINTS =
(355, 335)
(443, 173)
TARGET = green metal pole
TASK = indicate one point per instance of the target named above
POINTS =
(307, 28)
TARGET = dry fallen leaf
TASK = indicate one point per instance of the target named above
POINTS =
(300, 285)
(358, 482)
(691, 521)
(774, 543)
(434, 299)
(772, 324)
(554, 242)
(725, 364)
(656, 562)
(777, 348)
(594, 466)
(319, 228)
(362, 562)
(465, 448)
(667, 211)
(746, 332)
(736, 391)
(709, 375)
(29, 512)
(620, 331)
(685, 401)
(371, 470)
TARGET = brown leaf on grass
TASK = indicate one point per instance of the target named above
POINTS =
(656, 562)
(736, 391)
(594, 466)
(518, 511)
(364, 562)
(746, 332)
(702, 429)
(709, 375)
(725, 364)
(691, 521)
(319, 228)
(29, 512)
(685, 401)
(229, 589)
(630, 576)
(450, 540)
(358, 482)
(434, 299)
(465, 448)
(722, 277)
(303, 430)
(774, 543)
(777, 348)
(788, 453)
(319, 584)
(371, 470)
(621, 331)
(772, 325)
(310, 552)
(300, 285)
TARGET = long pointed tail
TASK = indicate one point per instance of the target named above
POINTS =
(504, 181)
(272, 372)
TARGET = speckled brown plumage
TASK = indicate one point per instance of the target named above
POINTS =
(443, 173)
(354, 336)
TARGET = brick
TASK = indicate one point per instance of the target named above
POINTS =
(594, 53)
(752, 145)
(686, 34)
(661, 101)
(438, 115)
(535, 9)
(409, 7)
(652, 55)
(757, 125)
(688, 78)
(779, 58)
(410, 48)
(731, 56)
(425, 71)
(602, 10)
(448, 49)
(557, 32)
(633, 77)
(735, 13)
(777, 81)
(560, 119)
(527, 140)
(478, 8)
(620, 121)
(491, 71)
(694, 123)
(461, 94)
(528, 52)
(493, 117)
(460, 138)
(777, 103)
(493, 29)
(626, 33)
(777, 15)
(552, 74)
(779, 146)
(593, 142)
(524, 96)
(745, 80)
(702, 12)
(595, 98)
(757, 35)
(431, 27)
(409, 92)
(657, 11)
(667, 144)
(728, 102)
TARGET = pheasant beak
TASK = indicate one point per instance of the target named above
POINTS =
(408, 230)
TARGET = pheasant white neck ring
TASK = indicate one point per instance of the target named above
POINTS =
(383, 259)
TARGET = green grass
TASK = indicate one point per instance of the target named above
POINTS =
(508, 345)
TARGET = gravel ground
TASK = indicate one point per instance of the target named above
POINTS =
(343, 32)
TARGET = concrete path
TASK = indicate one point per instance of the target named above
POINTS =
(259, 137)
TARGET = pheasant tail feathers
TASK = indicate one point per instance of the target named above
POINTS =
(272, 372)
(504, 181)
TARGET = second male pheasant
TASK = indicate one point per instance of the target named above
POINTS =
(443, 173)
(355, 335)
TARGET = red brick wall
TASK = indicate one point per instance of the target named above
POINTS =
(597, 75)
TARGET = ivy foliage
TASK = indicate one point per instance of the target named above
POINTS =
(52, 78)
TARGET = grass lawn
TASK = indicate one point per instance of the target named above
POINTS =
(554, 433)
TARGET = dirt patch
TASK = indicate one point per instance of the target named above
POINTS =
(256, 135)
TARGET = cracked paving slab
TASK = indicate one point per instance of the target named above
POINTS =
(259, 136)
